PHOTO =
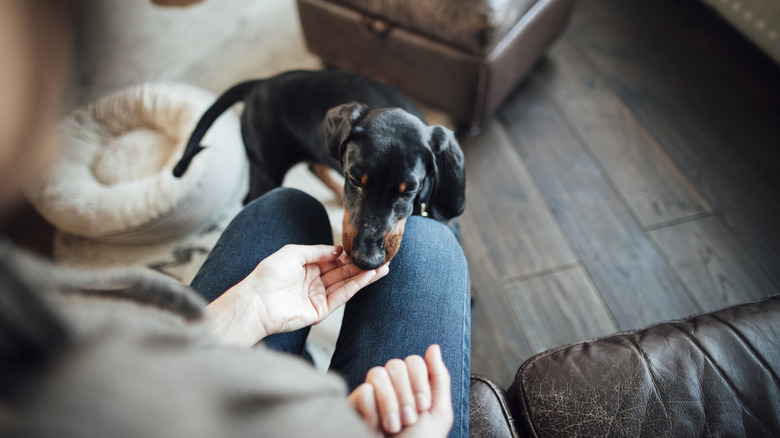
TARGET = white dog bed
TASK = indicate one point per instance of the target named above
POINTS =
(113, 180)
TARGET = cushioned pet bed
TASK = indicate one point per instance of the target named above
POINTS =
(113, 180)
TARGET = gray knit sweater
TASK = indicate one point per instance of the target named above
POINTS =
(128, 354)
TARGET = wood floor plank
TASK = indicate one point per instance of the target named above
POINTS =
(641, 171)
(498, 342)
(715, 267)
(722, 137)
(518, 228)
(635, 281)
(559, 308)
(486, 357)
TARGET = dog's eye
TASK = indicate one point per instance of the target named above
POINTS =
(406, 188)
(358, 182)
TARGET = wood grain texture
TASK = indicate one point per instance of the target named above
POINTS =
(518, 228)
(498, 343)
(559, 308)
(715, 267)
(712, 125)
(647, 179)
(634, 279)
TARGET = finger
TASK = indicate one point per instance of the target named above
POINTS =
(308, 254)
(343, 291)
(339, 274)
(348, 271)
(340, 260)
(340, 293)
(350, 286)
(441, 397)
(399, 375)
(418, 377)
(382, 270)
(363, 399)
(386, 399)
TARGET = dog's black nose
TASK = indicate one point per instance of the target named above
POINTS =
(368, 263)
(368, 254)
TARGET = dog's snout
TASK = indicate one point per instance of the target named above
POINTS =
(368, 248)
(368, 253)
(367, 263)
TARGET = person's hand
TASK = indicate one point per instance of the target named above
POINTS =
(407, 398)
(301, 285)
(297, 286)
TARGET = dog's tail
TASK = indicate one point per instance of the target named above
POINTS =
(235, 94)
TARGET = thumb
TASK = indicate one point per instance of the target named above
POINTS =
(441, 393)
(309, 254)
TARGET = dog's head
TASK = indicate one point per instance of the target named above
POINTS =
(393, 163)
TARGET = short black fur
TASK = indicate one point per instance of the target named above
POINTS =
(359, 127)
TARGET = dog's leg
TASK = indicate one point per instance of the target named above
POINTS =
(323, 173)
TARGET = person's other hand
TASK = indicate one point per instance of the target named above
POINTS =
(295, 287)
(407, 398)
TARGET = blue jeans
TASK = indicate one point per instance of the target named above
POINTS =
(423, 300)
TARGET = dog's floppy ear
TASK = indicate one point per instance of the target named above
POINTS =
(339, 123)
(448, 199)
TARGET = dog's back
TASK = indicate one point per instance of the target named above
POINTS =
(293, 105)
(282, 120)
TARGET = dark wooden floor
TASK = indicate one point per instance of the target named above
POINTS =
(633, 178)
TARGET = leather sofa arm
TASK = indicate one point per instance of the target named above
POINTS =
(714, 374)
(489, 415)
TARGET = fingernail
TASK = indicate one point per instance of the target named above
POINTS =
(408, 415)
(392, 422)
(423, 402)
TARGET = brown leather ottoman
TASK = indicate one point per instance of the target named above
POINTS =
(460, 56)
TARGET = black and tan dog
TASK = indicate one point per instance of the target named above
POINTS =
(394, 165)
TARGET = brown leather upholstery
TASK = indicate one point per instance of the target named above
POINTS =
(467, 76)
(710, 375)
(475, 26)
(489, 415)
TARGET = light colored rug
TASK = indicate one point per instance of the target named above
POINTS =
(212, 45)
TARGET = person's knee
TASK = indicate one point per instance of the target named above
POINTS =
(293, 208)
(286, 201)
(430, 238)
(430, 253)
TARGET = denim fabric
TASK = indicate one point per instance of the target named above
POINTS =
(423, 300)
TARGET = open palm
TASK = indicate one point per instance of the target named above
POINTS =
(301, 285)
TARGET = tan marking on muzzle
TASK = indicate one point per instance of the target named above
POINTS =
(393, 240)
(347, 234)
